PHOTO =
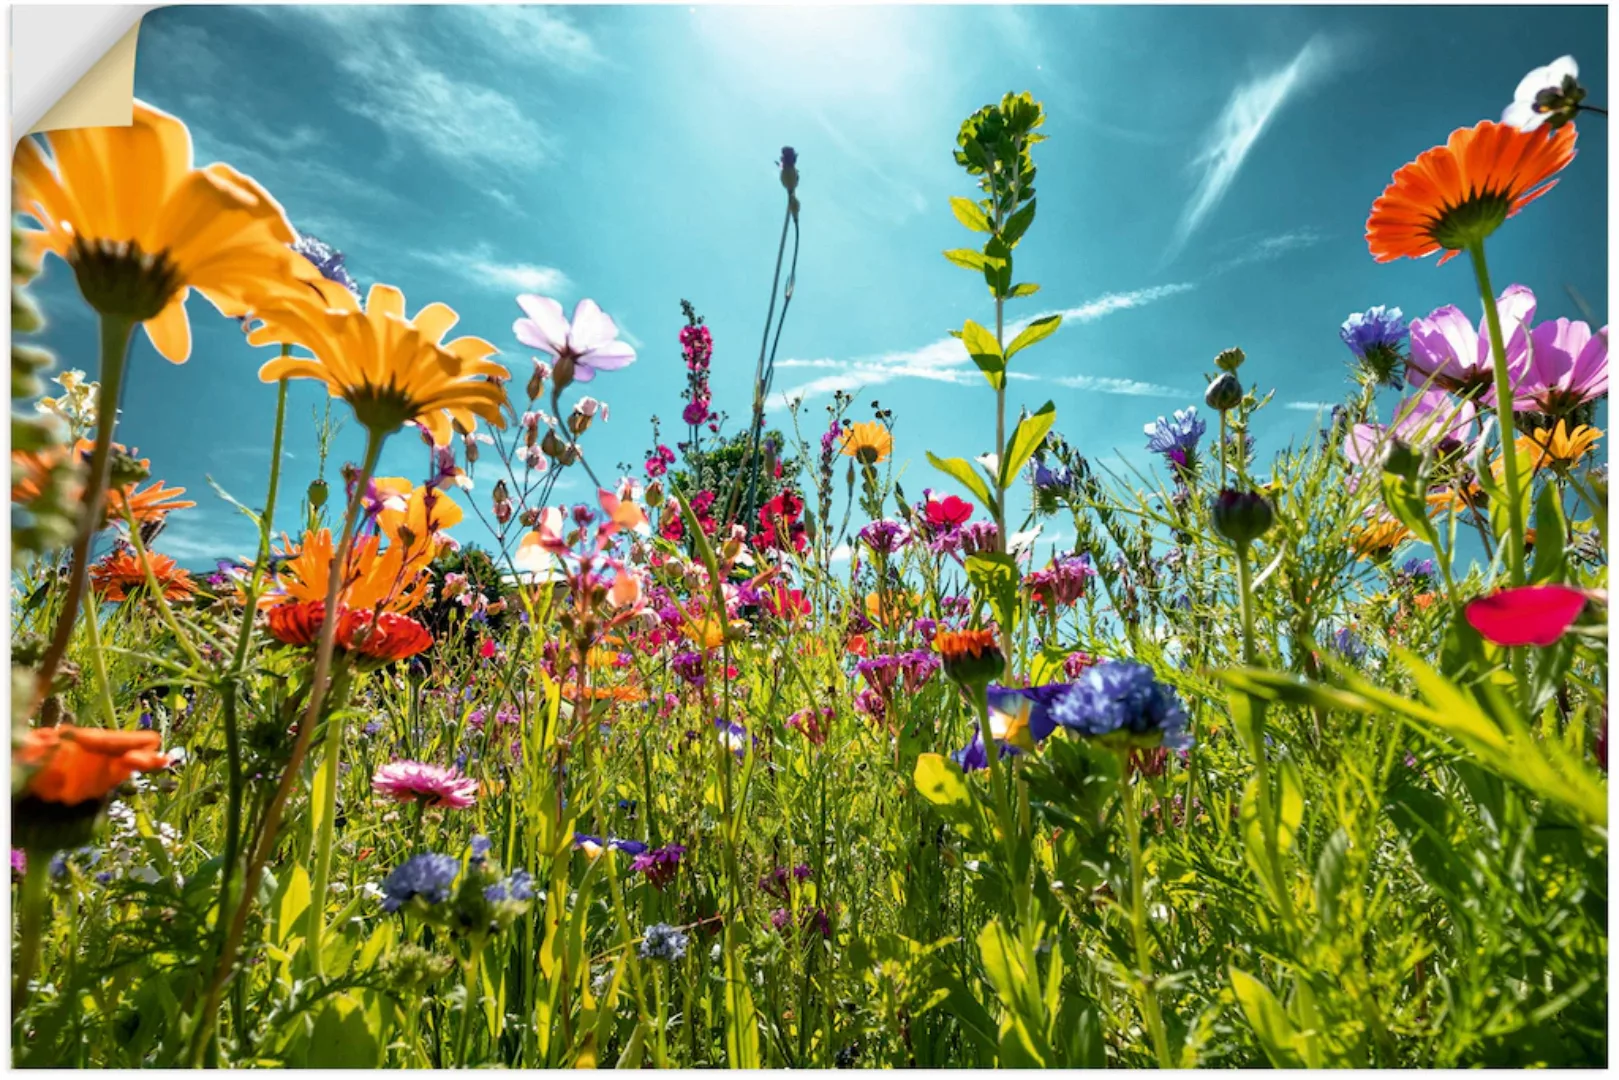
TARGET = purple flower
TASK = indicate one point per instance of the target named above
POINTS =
(885, 537)
(663, 942)
(580, 349)
(426, 876)
(1448, 352)
(517, 888)
(695, 412)
(1568, 366)
(880, 673)
(19, 862)
(1378, 337)
(689, 666)
(974, 756)
(1429, 419)
(659, 865)
(1056, 480)
(1179, 432)
(1349, 645)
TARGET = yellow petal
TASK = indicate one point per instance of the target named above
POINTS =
(170, 331)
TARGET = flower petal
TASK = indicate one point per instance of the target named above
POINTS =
(592, 327)
(1532, 615)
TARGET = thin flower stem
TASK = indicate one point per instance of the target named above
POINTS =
(31, 907)
(1138, 919)
(759, 373)
(165, 612)
(98, 660)
(300, 747)
(1504, 413)
(116, 333)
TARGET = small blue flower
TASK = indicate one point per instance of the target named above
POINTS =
(1178, 433)
(1055, 480)
(1123, 697)
(1378, 337)
(1349, 645)
(328, 260)
(518, 887)
(479, 847)
(372, 728)
(663, 942)
(428, 876)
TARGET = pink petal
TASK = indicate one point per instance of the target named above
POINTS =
(530, 334)
(609, 357)
(1532, 615)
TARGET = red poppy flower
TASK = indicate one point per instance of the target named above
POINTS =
(297, 624)
(1532, 615)
(948, 512)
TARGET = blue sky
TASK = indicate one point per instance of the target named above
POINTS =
(1205, 183)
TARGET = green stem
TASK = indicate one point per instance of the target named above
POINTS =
(472, 985)
(115, 337)
(165, 612)
(1503, 412)
(300, 748)
(1245, 600)
(326, 830)
(1138, 920)
(98, 660)
(32, 904)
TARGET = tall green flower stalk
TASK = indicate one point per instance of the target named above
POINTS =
(994, 146)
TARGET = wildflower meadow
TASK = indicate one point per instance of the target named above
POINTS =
(775, 749)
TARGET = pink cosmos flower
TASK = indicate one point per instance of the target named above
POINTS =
(1448, 352)
(1567, 366)
(431, 785)
(587, 345)
(1531, 615)
(1432, 418)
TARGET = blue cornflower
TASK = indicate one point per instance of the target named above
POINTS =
(518, 887)
(372, 728)
(428, 876)
(663, 942)
(479, 847)
(1377, 338)
(1416, 571)
(975, 756)
(1176, 437)
(1054, 480)
(1123, 698)
(1013, 707)
(328, 260)
(1349, 645)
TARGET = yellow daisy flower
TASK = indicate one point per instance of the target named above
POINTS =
(868, 442)
(1564, 449)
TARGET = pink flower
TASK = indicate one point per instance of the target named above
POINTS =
(1532, 615)
(1448, 353)
(587, 345)
(431, 785)
(1430, 419)
(1568, 366)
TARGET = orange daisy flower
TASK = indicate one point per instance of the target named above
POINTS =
(152, 503)
(120, 576)
(1455, 195)
(73, 765)
(969, 656)
(375, 577)
(1378, 538)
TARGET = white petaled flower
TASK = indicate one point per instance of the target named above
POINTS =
(1541, 94)
(581, 347)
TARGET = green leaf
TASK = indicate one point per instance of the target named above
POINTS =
(1025, 440)
(995, 577)
(291, 903)
(1329, 877)
(998, 267)
(343, 1037)
(1036, 331)
(961, 470)
(1027, 288)
(1267, 1018)
(1550, 540)
(1018, 224)
(985, 351)
(970, 214)
(967, 258)
(1013, 971)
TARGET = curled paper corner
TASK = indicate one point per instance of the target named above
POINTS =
(73, 66)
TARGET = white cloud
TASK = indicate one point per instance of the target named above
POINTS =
(539, 33)
(946, 360)
(1309, 406)
(479, 266)
(1249, 111)
(1126, 387)
(398, 88)
(1266, 248)
(841, 554)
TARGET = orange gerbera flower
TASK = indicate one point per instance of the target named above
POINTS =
(120, 576)
(621, 694)
(152, 503)
(141, 226)
(386, 637)
(30, 472)
(389, 369)
(72, 765)
(868, 442)
(1455, 195)
(969, 656)
(1378, 538)
(375, 577)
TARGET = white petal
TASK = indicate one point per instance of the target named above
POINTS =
(592, 327)
(1522, 115)
(548, 320)
(1561, 67)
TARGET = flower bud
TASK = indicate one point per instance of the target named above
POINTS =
(1230, 359)
(1242, 516)
(1224, 393)
(126, 470)
(1402, 460)
(317, 494)
(536, 381)
(654, 494)
(789, 169)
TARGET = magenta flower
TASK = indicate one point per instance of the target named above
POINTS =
(588, 345)
(1568, 366)
(1448, 352)
(430, 785)
(1531, 615)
